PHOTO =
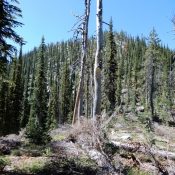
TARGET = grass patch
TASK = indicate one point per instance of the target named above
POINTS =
(134, 171)
(80, 165)
(58, 137)
(29, 166)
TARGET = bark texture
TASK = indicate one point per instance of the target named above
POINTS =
(98, 63)
(78, 111)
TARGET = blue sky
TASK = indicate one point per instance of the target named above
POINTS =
(55, 18)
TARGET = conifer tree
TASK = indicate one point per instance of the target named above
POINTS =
(53, 112)
(137, 56)
(8, 15)
(121, 54)
(25, 103)
(111, 69)
(3, 105)
(36, 127)
(11, 98)
(151, 55)
(66, 94)
(17, 95)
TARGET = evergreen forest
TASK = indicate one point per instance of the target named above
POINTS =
(49, 101)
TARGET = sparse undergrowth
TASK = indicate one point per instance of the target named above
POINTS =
(54, 165)
(30, 165)
(72, 143)
(134, 171)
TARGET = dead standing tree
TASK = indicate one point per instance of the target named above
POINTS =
(78, 109)
(97, 65)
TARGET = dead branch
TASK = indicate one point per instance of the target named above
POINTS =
(160, 167)
(136, 160)
(105, 23)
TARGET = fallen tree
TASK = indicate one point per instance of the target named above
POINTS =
(143, 148)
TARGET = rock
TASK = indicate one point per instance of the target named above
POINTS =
(124, 91)
(67, 148)
(126, 137)
(128, 110)
(4, 150)
(140, 109)
(8, 143)
(138, 104)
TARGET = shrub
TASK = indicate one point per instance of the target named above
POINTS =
(88, 133)
(35, 133)
(3, 162)
(134, 171)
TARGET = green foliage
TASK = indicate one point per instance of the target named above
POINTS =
(3, 162)
(110, 149)
(47, 152)
(53, 109)
(34, 166)
(110, 74)
(16, 152)
(34, 131)
(3, 105)
(127, 84)
(152, 55)
(58, 137)
(79, 165)
(66, 93)
(16, 96)
(39, 89)
(9, 14)
(134, 171)
(36, 128)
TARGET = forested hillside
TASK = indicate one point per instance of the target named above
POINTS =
(138, 77)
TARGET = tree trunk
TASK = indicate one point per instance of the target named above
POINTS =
(97, 65)
(79, 98)
(144, 149)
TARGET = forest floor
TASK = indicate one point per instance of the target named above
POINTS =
(154, 151)
(125, 146)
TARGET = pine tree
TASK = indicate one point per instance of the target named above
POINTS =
(53, 112)
(121, 57)
(25, 103)
(10, 98)
(3, 105)
(111, 69)
(151, 55)
(8, 14)
(17, 95)
(137, 61)
(66, 94)
(36, 127)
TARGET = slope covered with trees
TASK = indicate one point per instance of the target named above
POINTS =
(107, 79)
(136, 74)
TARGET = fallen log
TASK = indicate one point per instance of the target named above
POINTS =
(145, 149)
